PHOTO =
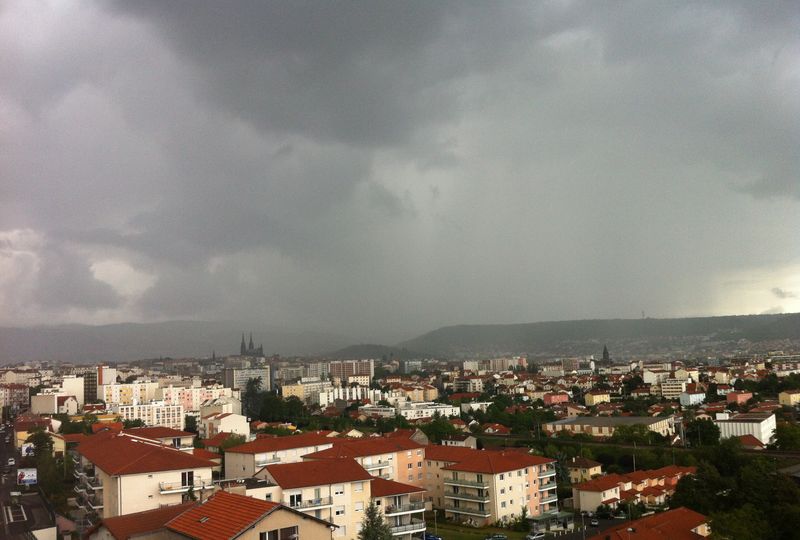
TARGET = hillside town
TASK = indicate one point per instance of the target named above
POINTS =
(418, 448)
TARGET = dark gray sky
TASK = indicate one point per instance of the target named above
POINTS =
(379, 169)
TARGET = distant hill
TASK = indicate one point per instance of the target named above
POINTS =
(537, 336)
(375, 351)
(131, 341)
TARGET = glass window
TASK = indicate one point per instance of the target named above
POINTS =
(358, 486)
(339, 511)
(338, 490)
(359, 506)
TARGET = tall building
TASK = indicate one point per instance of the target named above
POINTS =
(95, 376)
(237, 378)
(343, 369)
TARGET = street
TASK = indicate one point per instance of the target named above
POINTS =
(590, 531)
(8, 478)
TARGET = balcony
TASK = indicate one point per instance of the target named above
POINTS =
(80, 489)
(267, 461)
(95, 503)
(468, 483)
(466, 497)
(313, 504)
(404, 508)
(547, 485)
(416, 525)
(94, 483)
(549, 499)
(377, 465)
(547, 472)
(178, 487)
(467, 510)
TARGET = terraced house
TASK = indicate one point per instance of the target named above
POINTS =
(480, 487)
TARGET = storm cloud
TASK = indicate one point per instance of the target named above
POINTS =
(378, 169)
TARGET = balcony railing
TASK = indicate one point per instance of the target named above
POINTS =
(468, 483)
(267, 461)
(377, 465)
(479, 498)
(403, 508)
(416, 525)
(549, 499)
(467, 510)
(312, 503)
(95, 503)
(79, 489)
(547, 485)
(94, 482)
(549, 471)
(180, 487)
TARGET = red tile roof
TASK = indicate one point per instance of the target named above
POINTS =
(274, 444)
(120, 454)
(601, 483)
(97, 427)
(130, 525)
(674, 524)
(365, 447)
(748, 441)
(316, 473)
(497, 462)
(202, 453)
(157, 432)
(225, 515)
(387, 488)
(217, 439)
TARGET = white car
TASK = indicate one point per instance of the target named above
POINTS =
(12, 462)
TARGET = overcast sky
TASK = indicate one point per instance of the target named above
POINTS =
(379, 169)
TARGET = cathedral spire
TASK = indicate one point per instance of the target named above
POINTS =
(251, 346)
(243, 348)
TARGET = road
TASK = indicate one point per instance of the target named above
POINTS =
(8, 479)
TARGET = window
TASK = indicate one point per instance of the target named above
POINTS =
(502, 476)
(358, 486)
(502, 491)
(339, 511)
(503, 504)
(187, 478)
(408, 454)
(359, 507)
(419, 452)
(410, 465)
(287, 533)
(419, 476)
(410, 477)
(519, 473)
(419, 464)
(295, 499)
(338, 490)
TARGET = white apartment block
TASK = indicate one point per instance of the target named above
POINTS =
(759, 425)
(155, 413)
(673, 388)
(247, 459)
(348, 393)
(193, 396)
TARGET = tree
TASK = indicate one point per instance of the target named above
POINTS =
(190, 423)
(136, 422)
(42, 443)
(252, 396)
(787, 436)
(702, 432)
(373, 526)
(231, 441)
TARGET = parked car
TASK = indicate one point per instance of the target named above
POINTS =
(594, 522)
(431, 536)
(496, 537)
(12, 462)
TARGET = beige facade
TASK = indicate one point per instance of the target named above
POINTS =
(790, 398)
(595, 398)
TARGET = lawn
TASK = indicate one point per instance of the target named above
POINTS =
(451, 531)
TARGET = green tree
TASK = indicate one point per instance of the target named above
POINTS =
(136, 422)
(191, 423)
(702, 432)
(373, 526)
(42, 443)
(743, 522)
(252, 397)
(231, 441)
(787, 436)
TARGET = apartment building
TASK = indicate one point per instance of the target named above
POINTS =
(402, 505)
(481, 487)
(393, 458)
(222, 517)
(120, 474)
(192, 397)
(672, 388)
(346, 368)
(127, 393)
(155, 413)
(237, 378)
(759, 425)
(307, 389)
(337, 491)
(248, 458)
(689, 399)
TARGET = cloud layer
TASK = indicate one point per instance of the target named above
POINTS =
(382, 168)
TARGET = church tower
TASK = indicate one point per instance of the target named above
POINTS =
(243, 348)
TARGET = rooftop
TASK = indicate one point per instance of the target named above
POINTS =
(387, 488)
(275, 444)
(316, 473)
(225, 515)
(674, 524)
(131, 525)
(609, 420)
(121, 454)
